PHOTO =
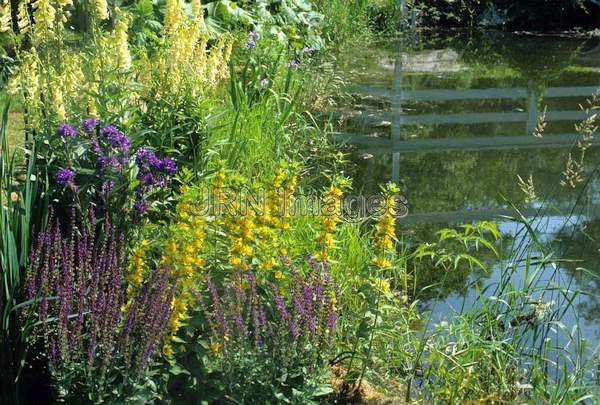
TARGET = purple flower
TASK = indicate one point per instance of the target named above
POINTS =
(116, 138)
(65, 176)
(168, 166)
(293, 64)
(140, 206)
(306, 50)
(85, 274)
(264, 82)
(66, 131)
(152, 171)
(143, 155)
(252, 38)
(106, 187)
(89, 124)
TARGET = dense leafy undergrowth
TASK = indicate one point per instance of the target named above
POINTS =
(174, 227)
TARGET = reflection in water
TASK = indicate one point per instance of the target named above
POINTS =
(452, 120)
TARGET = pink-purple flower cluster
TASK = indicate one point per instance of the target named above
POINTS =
(78, 286)
(303, 318)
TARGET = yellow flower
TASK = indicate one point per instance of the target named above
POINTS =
(322, 256)
(235, 261)
(187, 271)
(23, 17)
(246, 250)
(382, 262)
(198, 13)
(215, 348)
(278, 275)
(168, 350)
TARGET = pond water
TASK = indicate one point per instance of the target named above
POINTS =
(450, 117)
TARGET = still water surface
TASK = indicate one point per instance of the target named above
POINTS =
(450, 117)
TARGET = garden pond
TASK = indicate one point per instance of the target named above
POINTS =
(452, 118)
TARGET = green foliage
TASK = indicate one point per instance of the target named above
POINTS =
(21, 205)
(500, 13)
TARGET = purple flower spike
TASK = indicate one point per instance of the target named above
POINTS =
(293, 64)
(65, 131)
(89, 124)
(65, 176)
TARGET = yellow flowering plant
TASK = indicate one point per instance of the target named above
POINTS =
(104, 76)
(230, 224)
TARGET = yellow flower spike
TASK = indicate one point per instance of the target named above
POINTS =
(59, 104)
(198, 13)
(172, 15)
(123, 55)
(44, 16)
(100, 9)
(5, 17)
(23, 17)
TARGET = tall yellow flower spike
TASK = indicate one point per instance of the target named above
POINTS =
(100, 8)
(23, 17)
(330, 216)
(123, 55)
(59, 103)
(385, 229)
(172, 15)
(5, 17)
(198, 13)
(44, 15)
